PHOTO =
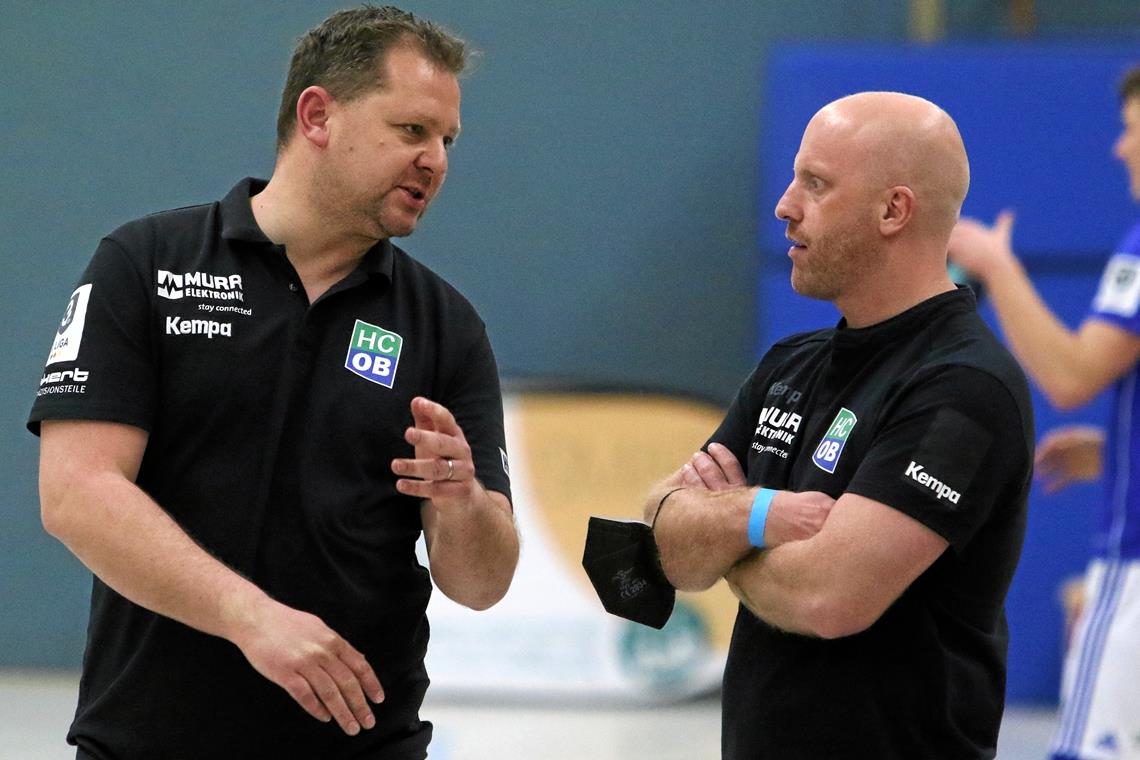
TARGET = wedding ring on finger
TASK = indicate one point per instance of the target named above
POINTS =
(450, 469)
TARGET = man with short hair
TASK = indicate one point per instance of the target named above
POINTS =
(1100, 689)
(865, 496)
(251, 411)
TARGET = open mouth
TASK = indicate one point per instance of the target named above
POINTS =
(415, 193)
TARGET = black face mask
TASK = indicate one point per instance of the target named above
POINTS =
(624, 566)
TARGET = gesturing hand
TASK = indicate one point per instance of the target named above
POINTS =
(443, 467)
(976, 247)
(1070, 454)
(319, 669)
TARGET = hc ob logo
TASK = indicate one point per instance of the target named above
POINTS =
(373, 354)
(826, 455)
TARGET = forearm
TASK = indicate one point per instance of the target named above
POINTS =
(134, 547)
(700, 534)
(1047, 349)
(783, 588)
(473, 548)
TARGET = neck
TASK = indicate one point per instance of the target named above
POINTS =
(290, 214)
(906, 281)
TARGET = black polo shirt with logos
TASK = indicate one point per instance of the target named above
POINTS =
(928, 414)
(272, 424)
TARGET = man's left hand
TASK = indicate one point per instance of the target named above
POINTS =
(443, 468)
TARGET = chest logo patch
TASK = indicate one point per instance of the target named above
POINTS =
(373, 354)
(827, 453)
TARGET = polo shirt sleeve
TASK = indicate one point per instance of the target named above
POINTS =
(476, 399)
(100, 364)
(1117, 298)
(951, 451)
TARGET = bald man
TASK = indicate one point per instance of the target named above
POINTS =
(865, 496)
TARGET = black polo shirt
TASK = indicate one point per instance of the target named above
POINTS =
(272, 424)
(930, 415)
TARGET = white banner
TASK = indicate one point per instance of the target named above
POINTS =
(573, 455)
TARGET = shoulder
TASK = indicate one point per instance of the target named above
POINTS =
(412, 275)
(177, 229)
(964, 340)
(960, 360)
(810, 339)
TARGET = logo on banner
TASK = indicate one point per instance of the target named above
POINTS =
(827, 453)
(65, 347)
(374, 353)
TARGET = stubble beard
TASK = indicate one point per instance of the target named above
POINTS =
(836, 264)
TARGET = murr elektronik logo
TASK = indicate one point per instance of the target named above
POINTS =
(374, 353)
(827, 453)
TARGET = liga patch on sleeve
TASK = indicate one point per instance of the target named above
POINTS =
(948, 457)
(65, 347)
(1119, 291)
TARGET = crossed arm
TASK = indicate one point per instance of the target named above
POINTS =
(90, 502)
(834, 567)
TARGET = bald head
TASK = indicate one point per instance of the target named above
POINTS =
(904, 140)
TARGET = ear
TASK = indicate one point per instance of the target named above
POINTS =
(897, 210)
(314, 106)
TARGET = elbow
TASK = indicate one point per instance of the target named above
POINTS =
(1067, 393)
(54, 513)
(829, 617)
(478, 596)
(692, 583)
(688, 578)
(1067, 399)
(482, 602)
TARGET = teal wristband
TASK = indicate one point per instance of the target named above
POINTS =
(759, 517)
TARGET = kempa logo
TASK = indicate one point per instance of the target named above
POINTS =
(943, 491)
(199, 285)
(373, 353)
(207, 327)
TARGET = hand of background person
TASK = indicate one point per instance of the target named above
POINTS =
(437, 439)
(1069, 454)
(320, 670)
(791, 516)
(977, 248)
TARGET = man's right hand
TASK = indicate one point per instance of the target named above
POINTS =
(320, 670)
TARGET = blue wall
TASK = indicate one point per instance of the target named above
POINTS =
(601, 209)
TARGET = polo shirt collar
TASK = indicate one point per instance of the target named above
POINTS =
(848, 339)
(239, 224)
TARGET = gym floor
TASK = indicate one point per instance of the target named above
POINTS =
(36, 708)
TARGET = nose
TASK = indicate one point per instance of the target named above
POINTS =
(786, 209)
(433, 158)
(1118, 146)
